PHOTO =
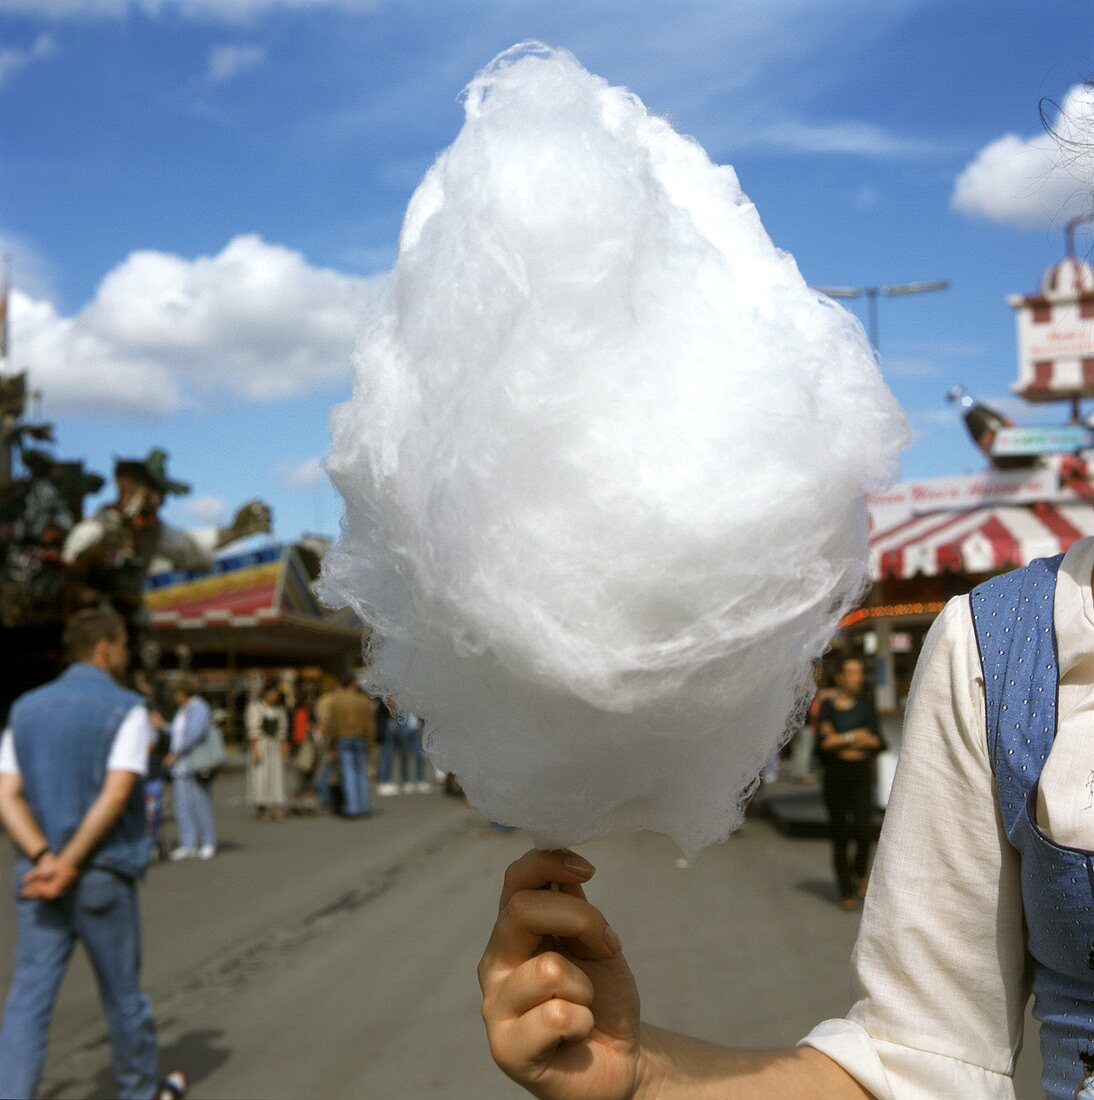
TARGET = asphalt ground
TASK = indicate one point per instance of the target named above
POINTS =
(334, 959)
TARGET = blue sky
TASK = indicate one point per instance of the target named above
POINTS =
(198, 193)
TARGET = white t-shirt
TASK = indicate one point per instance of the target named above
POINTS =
(128, 753)
(939, 969)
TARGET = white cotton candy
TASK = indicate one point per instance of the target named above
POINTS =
(604, 467)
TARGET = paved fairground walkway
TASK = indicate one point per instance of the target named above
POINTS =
(325, 958)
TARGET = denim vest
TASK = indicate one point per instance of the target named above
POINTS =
(1016, 636)
(63, 735)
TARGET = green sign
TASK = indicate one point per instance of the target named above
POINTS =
(1042, 441)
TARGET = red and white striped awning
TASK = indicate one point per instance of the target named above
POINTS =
(979, 540)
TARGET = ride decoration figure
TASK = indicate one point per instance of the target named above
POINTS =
(111, 554)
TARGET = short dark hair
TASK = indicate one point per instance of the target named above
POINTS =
(86, 629)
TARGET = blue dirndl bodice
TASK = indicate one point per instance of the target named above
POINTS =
(1016, 636)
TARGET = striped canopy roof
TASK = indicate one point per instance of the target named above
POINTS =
(987, 539)
(244, 589)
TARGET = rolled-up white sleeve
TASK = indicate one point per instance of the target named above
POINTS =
(132, 743)
(938, 971)
(9, 763)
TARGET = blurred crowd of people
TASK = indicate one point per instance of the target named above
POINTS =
(324, 751)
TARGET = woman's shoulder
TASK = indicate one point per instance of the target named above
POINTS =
(946, 699)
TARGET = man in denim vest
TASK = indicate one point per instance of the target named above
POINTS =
(71, 763)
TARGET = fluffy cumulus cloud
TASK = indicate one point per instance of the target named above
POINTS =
(254, 322)
(226, 61)
(204, 509)
(301, 475)
(14, 59)
(1036, 181)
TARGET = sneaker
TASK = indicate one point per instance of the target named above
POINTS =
(409, 788)
(386, 789)
(173, 1086)
(182, 853)
(207, 851)
(425, 787)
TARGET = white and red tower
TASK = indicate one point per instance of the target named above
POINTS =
(1056, 336)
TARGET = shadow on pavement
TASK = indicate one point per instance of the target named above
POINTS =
(823, 888)
(197, 1053)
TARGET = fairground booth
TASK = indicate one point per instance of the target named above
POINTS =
(255, 616)
(937, 538)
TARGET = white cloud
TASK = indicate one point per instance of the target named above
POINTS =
(30, 271)
(13, 59)
(301, 475)
(691, 61)
(1036, 181)
(911, 368)
(219, 11)
(957, 349)
(847, 138)
(204, 509)
(937, 416)
(866, 198)
(255, 322)
(227, 61)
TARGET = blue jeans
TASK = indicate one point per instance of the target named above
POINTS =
(153, 810)
(409, 745)
(101, 911)
(322, 782)
(355, 794)
(194, 813)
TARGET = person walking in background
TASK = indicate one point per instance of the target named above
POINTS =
(193, 798)
(71, 763)
(307, 753)
(349, 728)
(403, 736)
(850, 739)
(268, 737)
(156, 779)
(328, 781)
(805, 740)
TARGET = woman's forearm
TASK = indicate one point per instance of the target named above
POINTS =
(677, 1067)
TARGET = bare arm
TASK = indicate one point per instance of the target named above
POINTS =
(866, 739)
(858, 740)
(831, 739)
(677, 1066)
(100, 818)
(54, 874)
(18, 818)
(562, 1010)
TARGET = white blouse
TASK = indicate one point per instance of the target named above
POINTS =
(938, 973)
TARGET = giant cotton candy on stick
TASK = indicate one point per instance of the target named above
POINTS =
(604, 467)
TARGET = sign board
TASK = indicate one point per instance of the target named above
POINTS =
(1042, 441)
(1056, 335)
(1072, 338)
(937, 494)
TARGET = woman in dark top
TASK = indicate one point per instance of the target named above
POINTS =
(850, 738)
